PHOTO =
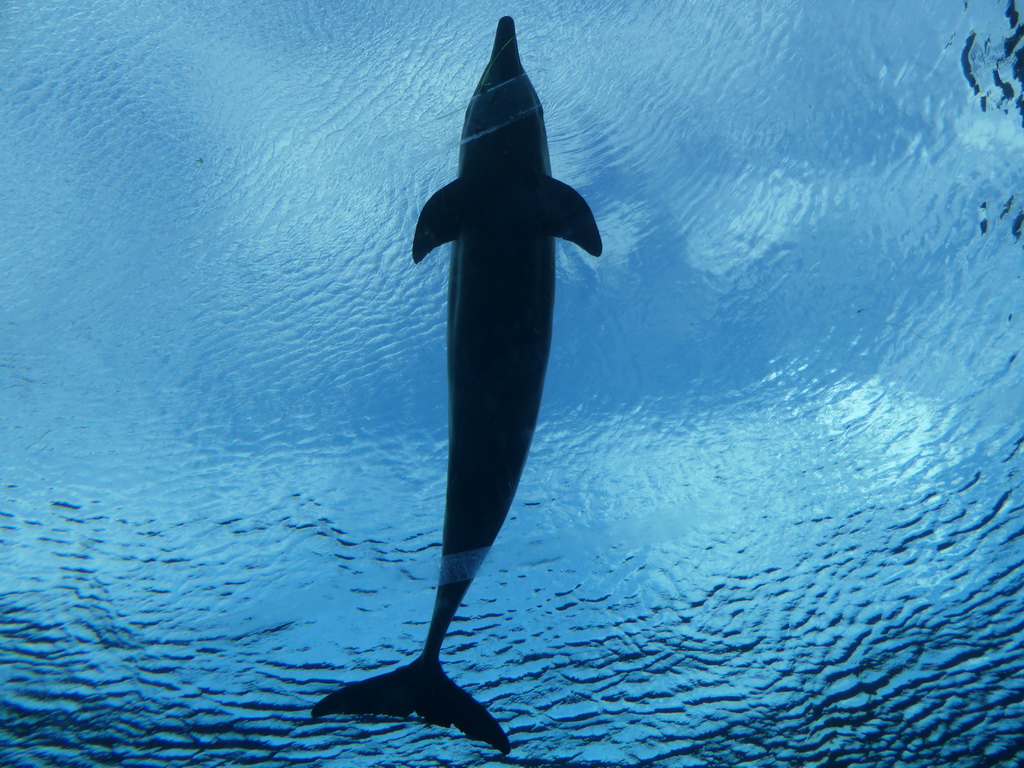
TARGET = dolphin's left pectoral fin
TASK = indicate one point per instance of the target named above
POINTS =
(566, 215)
(440, 220)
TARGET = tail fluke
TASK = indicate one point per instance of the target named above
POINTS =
(421, 687)
(442, 702)
(393, 694)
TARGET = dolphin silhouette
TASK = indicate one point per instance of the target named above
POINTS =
(502, 214)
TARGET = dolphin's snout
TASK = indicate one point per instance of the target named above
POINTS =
(506, 29)
(504, 64)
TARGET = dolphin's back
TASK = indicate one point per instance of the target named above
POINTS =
(502, 214)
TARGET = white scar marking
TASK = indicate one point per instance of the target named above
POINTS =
(461, 566)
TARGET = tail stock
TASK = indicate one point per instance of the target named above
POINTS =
(421, 687)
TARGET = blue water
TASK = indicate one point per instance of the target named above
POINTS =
(773, 514)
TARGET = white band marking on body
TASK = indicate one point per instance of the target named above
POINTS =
(461, 566)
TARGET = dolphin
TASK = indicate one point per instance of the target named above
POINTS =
(501, 214)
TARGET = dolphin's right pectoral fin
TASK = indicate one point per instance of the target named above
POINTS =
(566, 215)
(440, 221)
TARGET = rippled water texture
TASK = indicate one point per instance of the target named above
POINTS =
(773, 513)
